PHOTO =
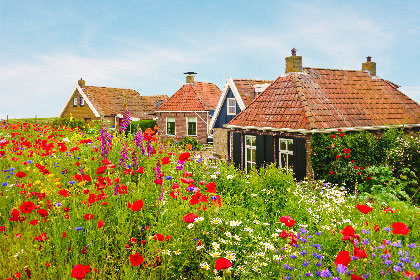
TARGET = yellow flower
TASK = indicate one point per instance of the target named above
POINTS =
(57, 179)
(51, 175)
(37, 182)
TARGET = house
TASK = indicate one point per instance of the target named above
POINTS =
(277, 126)
(236, 95)
(188, 111)
(91, 102)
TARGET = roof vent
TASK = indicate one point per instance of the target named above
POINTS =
(369, 66)
(190, 77)
(294, 63)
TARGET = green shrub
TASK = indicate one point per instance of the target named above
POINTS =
(187, 140)
(142, 124)
(72, 123)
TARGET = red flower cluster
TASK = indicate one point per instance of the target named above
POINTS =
(287, 221)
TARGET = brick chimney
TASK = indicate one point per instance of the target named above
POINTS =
(294, 63)
(190, 77)
(81, 83)
(369, 66)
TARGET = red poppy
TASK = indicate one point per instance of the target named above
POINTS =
(88, 216)
(348, 233)
(222, 263)
(166, 160)
(283, 234)
(400, 228)
(100, 224)
(184, 156)
(137, 205)
(27, 207)
(63, 193)
(167, 237)
(190, 217)
(187, 180)
(360, 253)
(43, 212)
(343, 258)
(20, 174)
(136, 259)
(211, 187)
(34, 222)
(356, 277)
(287, 221)
(79, 271)
(364, 208)
(376, 228)
(2, 228)
(159, 237)
(332, 172)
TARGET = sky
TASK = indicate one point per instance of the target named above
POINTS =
(46, 46)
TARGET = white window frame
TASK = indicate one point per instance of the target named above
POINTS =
(167, 126)
(228, 106)
(82, 101)
(286, 152)
(75, 99)
(188, 121)
(251, 147)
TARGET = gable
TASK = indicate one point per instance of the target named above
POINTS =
(80, 112)
(223, 117)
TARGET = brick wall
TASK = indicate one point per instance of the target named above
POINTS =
(181, 125)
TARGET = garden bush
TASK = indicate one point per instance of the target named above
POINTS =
(72, 123)
(141, 124)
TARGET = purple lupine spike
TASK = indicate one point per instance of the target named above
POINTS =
(125, 122)
(123, 156)
(134, 160)
(138, 139)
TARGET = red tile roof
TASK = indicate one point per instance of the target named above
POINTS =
(112, 101)
(150, 103)
(246, 90)
(198, 96)
(324, 98)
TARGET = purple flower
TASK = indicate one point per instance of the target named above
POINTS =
(303, 230)
(365, 241)
(412, 246)
(387, 229)
(125, 122)
(287, 267)
(318, 264)
(123, 156)
(397, 268)
(318, 246)
(326, 273)
(305, 263)
(341, 269)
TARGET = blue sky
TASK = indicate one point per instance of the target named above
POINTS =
(46, 46)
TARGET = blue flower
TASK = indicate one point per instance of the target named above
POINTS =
(412, 246)
(318, 246)
(287, 267)
(341, 269)
(4, 184)
(326, 273)
(29, 161)
(78, 228)
(58, 204)
(8, 176)
(72, 182)
(397, 268)
(167, 177)
(305, 263)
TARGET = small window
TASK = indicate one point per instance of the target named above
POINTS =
(82, 101)
(192, 126)
(170, 126)
(231, 106)
(250, 152)
(75, 102)
(286, 153)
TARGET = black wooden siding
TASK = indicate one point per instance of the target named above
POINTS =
(237, 149)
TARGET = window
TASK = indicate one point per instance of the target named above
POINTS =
(286, 153)
(170, 126)
(250, 152)
(231, 106)
(191, 126)
(82, 101)
(75, 102)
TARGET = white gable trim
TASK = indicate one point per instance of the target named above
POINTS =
(229, 84)
(85, 98)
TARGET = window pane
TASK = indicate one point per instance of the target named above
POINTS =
(282, 145)
(248, 154)
(290, 162)
(254, 154)
(191, 128)
(248, 166)
(253, 141)
(247, 140)
(290, 145)
(283, 162)
(171, 128)
(232, 110)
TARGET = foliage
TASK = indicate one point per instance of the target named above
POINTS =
(72, 123)
(191, 141)
(141, 124)
(150, 210)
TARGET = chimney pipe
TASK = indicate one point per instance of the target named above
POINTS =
(81, 83)
(190, 77)
(369, 66)
(294, 62)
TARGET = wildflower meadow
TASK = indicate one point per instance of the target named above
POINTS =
(106, 204)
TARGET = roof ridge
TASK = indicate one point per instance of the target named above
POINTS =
(317, 68)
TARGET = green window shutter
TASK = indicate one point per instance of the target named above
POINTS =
(299, 157)
(260, 151)
(237, 149)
